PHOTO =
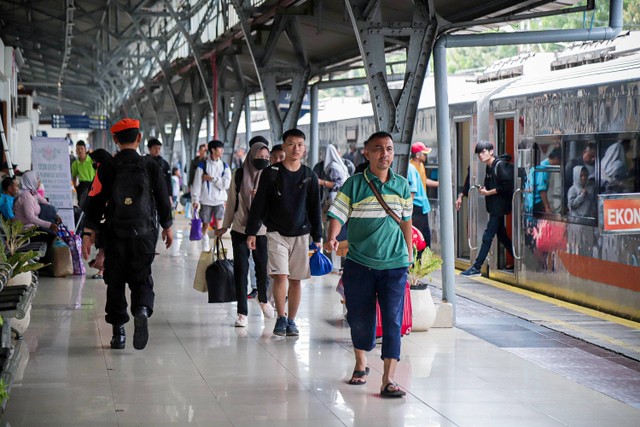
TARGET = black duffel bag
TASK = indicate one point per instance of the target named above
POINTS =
(219, 276)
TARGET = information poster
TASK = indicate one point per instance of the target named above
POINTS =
(50, 159)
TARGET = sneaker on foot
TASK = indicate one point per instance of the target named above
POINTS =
(471, 271)
(253, 294)
(292, 329)
(281, 327)
(242, 321)
(267, 310)
(205, 243)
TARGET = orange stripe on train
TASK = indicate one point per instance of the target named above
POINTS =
(598, 270)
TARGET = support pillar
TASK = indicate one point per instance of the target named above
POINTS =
(314, 143)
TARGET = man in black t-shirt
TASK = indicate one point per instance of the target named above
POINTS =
(288, 202)
(497, 190)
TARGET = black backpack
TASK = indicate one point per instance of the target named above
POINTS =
(132, 207)
(505, 174)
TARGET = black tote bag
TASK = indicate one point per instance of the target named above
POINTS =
(219, 276)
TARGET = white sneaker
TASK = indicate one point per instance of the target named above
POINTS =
(205, 243)
(267, 310)
(242, 321)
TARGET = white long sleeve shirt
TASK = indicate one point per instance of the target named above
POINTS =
(214, 192)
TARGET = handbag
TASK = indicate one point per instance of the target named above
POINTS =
(196, 227)
(185, 199)
(60, 256)
(319, 264)
(75, 247)
(206, 259)
(48, 213)
(219, 276)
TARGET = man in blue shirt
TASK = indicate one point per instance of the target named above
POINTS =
(421, 206)
(10, 190)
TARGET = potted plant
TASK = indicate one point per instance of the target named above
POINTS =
(424, 309)
(22, 263)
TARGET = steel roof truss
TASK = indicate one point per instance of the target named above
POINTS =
(394, 110)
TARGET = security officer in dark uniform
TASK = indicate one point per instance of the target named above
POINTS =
(129, 249)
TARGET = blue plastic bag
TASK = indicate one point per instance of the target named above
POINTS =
(318, 262)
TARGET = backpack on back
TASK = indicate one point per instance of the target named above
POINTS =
(506, 170)
(132, 206)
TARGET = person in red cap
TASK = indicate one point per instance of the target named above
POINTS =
(421, 205)
(129, 192)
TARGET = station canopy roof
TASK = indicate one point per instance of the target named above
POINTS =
(89, 56)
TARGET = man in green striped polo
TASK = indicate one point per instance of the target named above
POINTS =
(380, 250)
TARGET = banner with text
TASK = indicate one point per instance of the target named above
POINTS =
(620, 213)
(50, 159)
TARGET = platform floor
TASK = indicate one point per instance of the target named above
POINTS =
(492, 369)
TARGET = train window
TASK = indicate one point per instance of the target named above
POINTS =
(543, 190)
(618, 157)
(580, 195)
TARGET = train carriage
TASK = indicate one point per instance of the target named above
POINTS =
(588, 116)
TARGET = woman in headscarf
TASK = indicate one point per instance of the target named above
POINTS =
(27, 207)
(335, 173)
(240, 196)
(580, 197)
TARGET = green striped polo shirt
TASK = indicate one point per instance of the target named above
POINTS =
(375, 239)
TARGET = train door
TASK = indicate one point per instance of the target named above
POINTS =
(501, 263)
(465, 227)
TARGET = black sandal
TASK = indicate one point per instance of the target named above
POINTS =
(359, 377)
(386, 392)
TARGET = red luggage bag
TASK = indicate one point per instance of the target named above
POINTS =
(407, 316)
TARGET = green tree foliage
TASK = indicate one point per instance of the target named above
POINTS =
(479, 58)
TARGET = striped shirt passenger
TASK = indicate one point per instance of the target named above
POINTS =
(379, 253)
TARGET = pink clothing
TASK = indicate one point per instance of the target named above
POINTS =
(27, 209)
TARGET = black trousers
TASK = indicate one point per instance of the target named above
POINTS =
(241, 268)
(495, 226)
(127, 261)
(82, 190)
(421, 222)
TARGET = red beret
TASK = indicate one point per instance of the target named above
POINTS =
(125, 124)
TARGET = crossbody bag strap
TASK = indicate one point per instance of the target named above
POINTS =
(384, 204)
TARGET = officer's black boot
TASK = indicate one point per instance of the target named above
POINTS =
(141, 331)
(119, 338)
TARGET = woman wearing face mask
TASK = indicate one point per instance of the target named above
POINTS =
(241, 192)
